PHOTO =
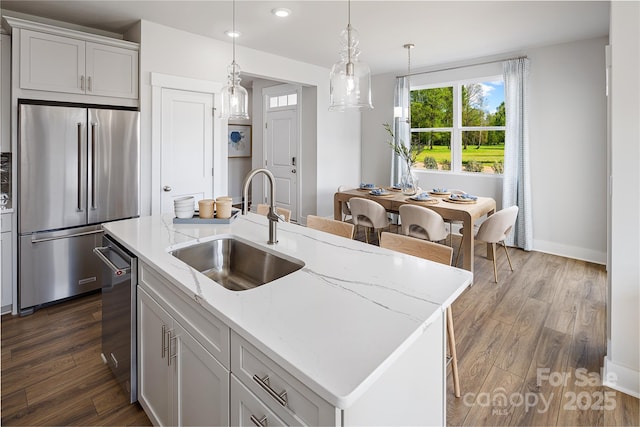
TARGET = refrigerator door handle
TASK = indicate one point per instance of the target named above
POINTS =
(79, 167)
(93, 165)
(66, 236)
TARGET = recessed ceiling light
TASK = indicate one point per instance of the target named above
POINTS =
(233, 34)
(281, 12)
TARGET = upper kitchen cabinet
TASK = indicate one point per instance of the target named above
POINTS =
(5, 93)
(58, 64)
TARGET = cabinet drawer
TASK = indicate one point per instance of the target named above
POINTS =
(247, 409)
(207, 329)
(299, 405)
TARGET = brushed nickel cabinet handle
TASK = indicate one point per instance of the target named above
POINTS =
(164, 335)
(281, 398)
(262, 422)
(82, 83)
(172, 345)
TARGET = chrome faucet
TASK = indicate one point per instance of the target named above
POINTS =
(272, 215)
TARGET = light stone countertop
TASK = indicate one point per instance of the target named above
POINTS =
(336, 324)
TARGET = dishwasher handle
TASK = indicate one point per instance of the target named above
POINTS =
(117, 271)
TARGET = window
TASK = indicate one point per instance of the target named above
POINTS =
(283, 100)
(459, 127)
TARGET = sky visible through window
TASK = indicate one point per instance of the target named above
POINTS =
(494, 94)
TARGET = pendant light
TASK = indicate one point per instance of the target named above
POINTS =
(409, 46)
(350, 78)
(235, 99)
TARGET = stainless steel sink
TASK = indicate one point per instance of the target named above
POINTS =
(237, 264)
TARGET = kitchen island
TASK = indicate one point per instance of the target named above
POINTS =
(356, 336)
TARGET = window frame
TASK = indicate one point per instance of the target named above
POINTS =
(457, 129)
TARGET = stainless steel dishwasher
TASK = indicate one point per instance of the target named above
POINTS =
(119, 280)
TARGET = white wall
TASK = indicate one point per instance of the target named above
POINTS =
(622, 363)
(567, 124)
(568, 133)
(170, 51)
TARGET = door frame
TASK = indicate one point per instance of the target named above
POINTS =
(161, 81)
(266, 93)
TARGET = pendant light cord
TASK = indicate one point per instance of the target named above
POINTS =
(233, 29)
(409, 46)
(349, 71)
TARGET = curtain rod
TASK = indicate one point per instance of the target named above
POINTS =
(460, 66)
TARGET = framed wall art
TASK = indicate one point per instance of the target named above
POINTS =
(239, 140)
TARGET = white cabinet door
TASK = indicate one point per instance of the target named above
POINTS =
(5, 91)
(201, 383)
(111, 71)
(155, 389)
(6, 268)
(181, 383)
(51, 63)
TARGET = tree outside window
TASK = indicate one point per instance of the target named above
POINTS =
(464, 121)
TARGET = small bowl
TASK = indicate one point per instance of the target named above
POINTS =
(183, 202)
(188, 213)
(183, 199)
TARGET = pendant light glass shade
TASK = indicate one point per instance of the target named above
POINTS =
(350, 78)
(235, 99)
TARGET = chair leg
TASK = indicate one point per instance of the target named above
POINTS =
(495, 267)
(455, 264)
(507, 252)
(452, 351)
(379, 233)
(366, 234)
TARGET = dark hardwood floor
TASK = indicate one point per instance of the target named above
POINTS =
(52, 372)
(521, 344)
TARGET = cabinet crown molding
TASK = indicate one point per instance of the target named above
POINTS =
(19, 23)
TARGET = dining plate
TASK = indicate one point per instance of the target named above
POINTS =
(426, 201)
(461, 201)
(385, 194)
(439, 194)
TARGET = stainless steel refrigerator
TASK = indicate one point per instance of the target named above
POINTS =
(78, 167)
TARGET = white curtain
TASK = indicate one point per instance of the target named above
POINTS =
(516, 187)
(401, 129)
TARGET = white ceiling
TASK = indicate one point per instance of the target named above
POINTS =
(443, 31)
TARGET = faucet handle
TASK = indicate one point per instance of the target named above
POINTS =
(274, 216)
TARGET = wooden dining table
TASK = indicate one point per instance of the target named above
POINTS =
(468, 213)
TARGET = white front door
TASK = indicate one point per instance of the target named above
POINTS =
(282, 157)
(187, 146)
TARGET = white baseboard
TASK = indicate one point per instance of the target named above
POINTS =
(621, 378)
(584, 254)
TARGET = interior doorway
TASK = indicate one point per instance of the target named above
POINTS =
(282, 144)
(187, 146)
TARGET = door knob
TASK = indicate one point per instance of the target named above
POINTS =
(166, 188)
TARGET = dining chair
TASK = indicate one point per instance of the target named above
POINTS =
(368, 213)
(433, 252)
(494, 229)
(339, 228)
(422, 223)
(263, 209)
(346, 211)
